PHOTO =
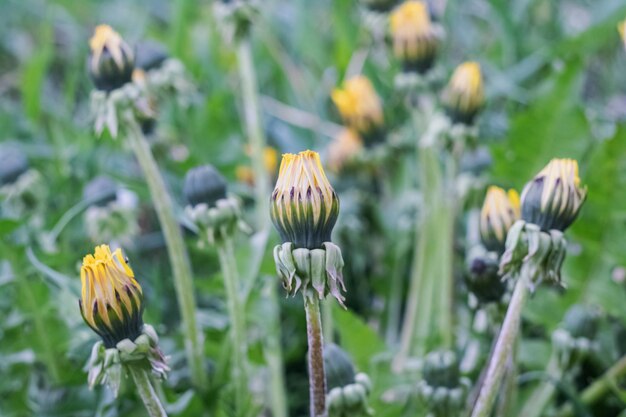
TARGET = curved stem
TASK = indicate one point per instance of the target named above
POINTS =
(503, 349)
(317, 377)
(181, 268)
(254, 130)
(236, 313)
(146, 392)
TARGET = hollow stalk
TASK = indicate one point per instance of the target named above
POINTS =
(317, 377)
(146, 391)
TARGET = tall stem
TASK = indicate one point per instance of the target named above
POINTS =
(317, 377)
(181, 268)
(237, 317)
(503, 349)
(147, 392)
(254, 130)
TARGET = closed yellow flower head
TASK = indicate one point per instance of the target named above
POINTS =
(414, 37)
(344, 147)
(304, 206)
(500, 210)
(111, 298)
(111, 61)
(359, 105)
(553, 199)
(464, 95)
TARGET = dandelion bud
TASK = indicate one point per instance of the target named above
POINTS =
(554, 197)
(111, 61)
(343, 148)
(621, 28)
(204, 184)
(360, 107)
(13, 163)
(464, 95)
(500, 210)
(304, 206)
(415, 38)
(111, 299)
(443, 389)
(338, 366)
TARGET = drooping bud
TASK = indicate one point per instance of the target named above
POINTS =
(360, 107)
(13, 163)
(111, 61)
(304, 206)
(111, 298)
(204, 184)
(415, 38)
(343, 148)
(500, 210)
(464, 95)
(553, 199)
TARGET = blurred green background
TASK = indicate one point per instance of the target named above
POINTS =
(555, 74)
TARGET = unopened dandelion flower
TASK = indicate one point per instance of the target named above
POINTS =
(111, 300)
(553, 199)
(464, 95)
(359, 105)
(111, 61)
(500, 210)
(621, 28)
(304, 206)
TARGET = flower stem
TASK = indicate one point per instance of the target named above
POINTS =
(236, 313)
(503, 349)
(254, 130)
(317, 377)
(596, 390)
(181, 268)
(146, 391)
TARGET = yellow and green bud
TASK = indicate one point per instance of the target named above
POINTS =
(500, 210)
(304, 206)
(360, 107)
(204, 185)
(553, 199)
(111, 61)
(415, 38)
(621, 29)
(464, 96)
(111, 299)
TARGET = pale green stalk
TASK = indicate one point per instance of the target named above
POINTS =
(254, 130)
(317, 376)
(236, 314)
(503, 349)
(146, 391)
(181, 268)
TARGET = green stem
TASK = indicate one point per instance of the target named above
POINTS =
(146, 391)
(600, 387)
(503, 349)
(327, 320)
(317, 377)
(254, 130)
(236, 312)
(543, 393)
(181, 268)
(274, 355)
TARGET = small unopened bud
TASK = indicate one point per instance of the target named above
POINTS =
(464, 95)
(338, 366)
(360, 107)
(415, 38)
(111, 61)
(482, 276)
(204, 184)
(304, 206)
(500, 210)
(13, 163)
(553, 199)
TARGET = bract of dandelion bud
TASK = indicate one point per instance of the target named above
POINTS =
(415, 39)
(500, 210)
(304, 206)
(111, 300)
(464, 95)
(111, 60)
(204, 184)
(553, 199)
